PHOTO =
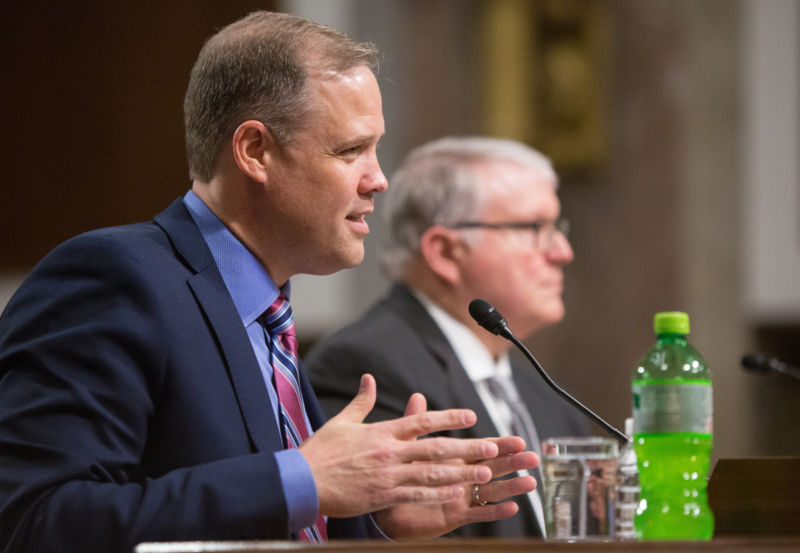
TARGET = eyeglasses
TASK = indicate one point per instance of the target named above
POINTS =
(544, 232)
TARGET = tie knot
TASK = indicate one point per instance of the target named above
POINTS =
(278, 317)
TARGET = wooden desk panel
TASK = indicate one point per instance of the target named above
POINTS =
(758, 496)
(734, 545)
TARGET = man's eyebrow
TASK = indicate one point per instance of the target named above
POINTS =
(357, 141)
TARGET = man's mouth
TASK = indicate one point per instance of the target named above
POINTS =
(358, 222)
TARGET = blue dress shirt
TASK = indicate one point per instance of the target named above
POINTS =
(253, 291)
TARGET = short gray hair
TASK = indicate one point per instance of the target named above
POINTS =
(439, 183)
(257, 68)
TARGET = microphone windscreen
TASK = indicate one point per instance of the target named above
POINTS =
(478, 309)
(756, 362)
(487, 316)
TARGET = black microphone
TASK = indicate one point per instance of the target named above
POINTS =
(762, 363)
(489, 318)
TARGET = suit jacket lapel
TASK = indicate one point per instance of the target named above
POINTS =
(401, 298)
(215, 301)
(435, 342)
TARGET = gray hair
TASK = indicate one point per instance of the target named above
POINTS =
(440, 183)
(257, 68)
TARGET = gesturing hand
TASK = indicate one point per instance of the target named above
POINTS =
(420, 521)
(360, 468)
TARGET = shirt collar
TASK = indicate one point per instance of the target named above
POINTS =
(247, 281)
(471, 352)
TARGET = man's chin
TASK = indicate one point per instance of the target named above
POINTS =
(347, 260)
(354, 257)
(555, 314)
(541, 319)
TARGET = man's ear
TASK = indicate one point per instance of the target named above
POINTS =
(444, 251)
(253, 146)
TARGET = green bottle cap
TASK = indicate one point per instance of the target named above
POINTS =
(671, 322)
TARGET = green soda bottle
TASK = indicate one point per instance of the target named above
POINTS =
(672, 411)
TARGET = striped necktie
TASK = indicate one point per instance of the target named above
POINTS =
(279, 324)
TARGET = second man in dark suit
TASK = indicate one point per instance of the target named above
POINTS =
(466, 218)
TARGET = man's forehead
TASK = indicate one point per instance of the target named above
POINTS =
(355, 88)
(346, 103)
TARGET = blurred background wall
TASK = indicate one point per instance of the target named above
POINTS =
(674, 125)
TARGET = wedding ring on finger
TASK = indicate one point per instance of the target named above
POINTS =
(476, 498)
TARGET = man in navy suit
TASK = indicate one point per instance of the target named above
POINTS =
(466, 217)
(137, 399)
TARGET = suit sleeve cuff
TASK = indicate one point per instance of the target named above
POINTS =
(302, 502)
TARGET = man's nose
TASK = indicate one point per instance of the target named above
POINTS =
(561, 251)
(374, 181)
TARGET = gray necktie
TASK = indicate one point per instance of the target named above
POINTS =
(504, 391)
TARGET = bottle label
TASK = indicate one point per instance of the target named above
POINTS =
(661, 406)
